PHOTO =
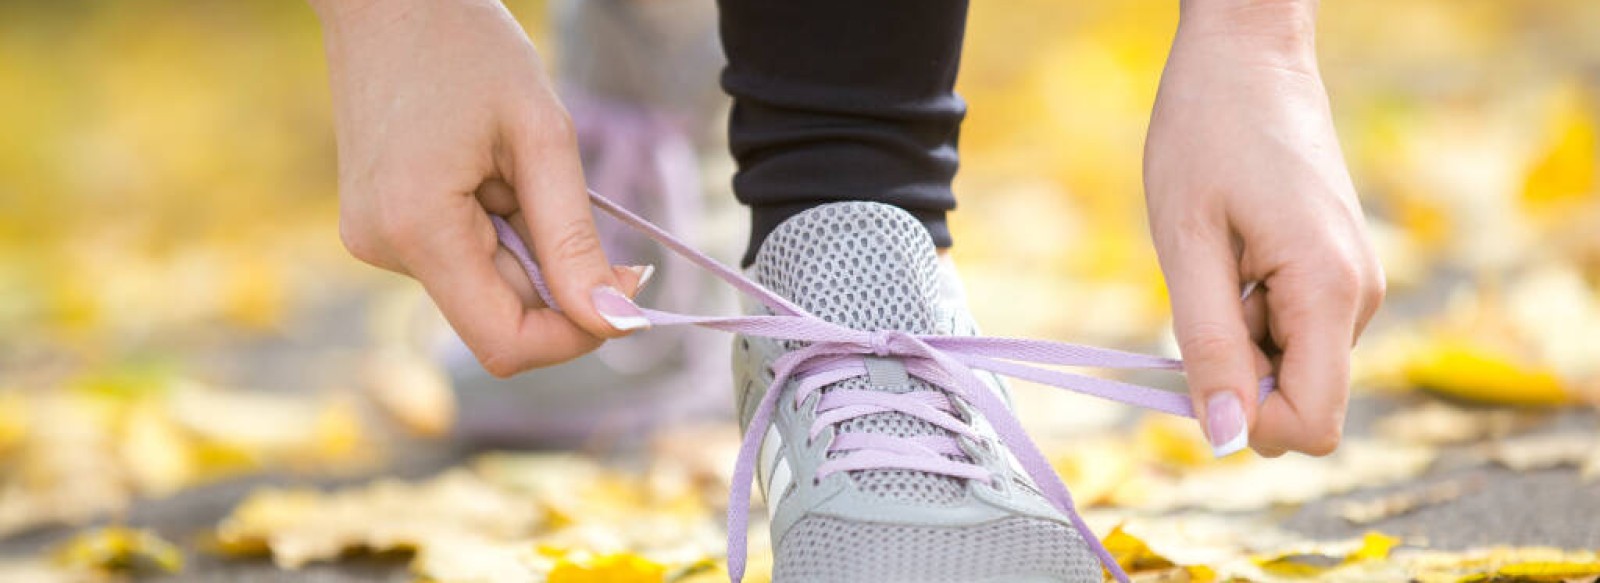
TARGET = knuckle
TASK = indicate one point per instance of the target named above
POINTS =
(552, 127)
(1379, 288)
(1206, 342)
(397, 224)
(358, 240)
(1323, 438)
(557, 124)
(1342, 278)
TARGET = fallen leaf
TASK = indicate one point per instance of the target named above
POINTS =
(160, 456)
(1143, 564)
(472, 559)
(1537, 452)
(300, 526)
(117, 549)
(1475, 371)
(1359, 463)
(37, 570)
(612, 568)
(1095, 469)
(67, 470)
(1539, 572)
(1437, 423)
(1172, 441)
(1403, 502)
(1374, 546)
(1563, 174)
(412, 389)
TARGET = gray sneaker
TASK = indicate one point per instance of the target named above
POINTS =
(871, 266)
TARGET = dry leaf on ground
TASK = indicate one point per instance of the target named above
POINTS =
(299, 526)
(1438, 423)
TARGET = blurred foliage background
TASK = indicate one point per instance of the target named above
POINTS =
(168, 204)
(168, 166)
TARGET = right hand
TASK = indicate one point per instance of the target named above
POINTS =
(443, 116)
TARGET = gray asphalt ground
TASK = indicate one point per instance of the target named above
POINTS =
(1501, 507)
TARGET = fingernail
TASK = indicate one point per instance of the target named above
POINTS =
(617, 309)
(645, 272)
(1225, 424)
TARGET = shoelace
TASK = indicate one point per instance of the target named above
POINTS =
(947, 362)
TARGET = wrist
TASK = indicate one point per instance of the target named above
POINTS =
(332, 12)
(1275, 29)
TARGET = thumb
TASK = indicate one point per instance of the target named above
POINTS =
(1218, 356)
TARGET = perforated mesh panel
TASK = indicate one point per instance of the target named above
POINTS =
(827, 549)
(871, 267)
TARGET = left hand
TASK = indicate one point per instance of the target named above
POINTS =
(1245, 182)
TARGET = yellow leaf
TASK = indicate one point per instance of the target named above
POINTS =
(1135, 556)
(339, 435)
(254, 294)
(119, 549)
(1132, 553)
(1299, 565)
(158, 456)
(1095, 469)
(13, 420)
(1564, 171)
(1538, 572)
(616, 568)
(1173, 441)
(1374, 546)
(1477, 372)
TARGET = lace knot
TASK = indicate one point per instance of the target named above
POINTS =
(879, 342)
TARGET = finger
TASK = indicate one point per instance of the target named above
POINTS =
(1255, 316)
(1203, 274)
(1265, 365)
(511, 271)
(632, 278)
(452, 254)
(1313, 322)
(550, 187)
(362, 237)
(1371, 299)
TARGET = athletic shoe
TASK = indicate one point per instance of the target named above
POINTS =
(858, 490)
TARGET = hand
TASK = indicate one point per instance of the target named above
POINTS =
(444, 115)
(1245, 182)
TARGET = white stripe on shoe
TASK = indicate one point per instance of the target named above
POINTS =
(771, 445)
(782, 478)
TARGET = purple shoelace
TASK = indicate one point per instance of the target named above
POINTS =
(835, 352)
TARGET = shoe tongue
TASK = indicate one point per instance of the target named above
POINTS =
(866, 265)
